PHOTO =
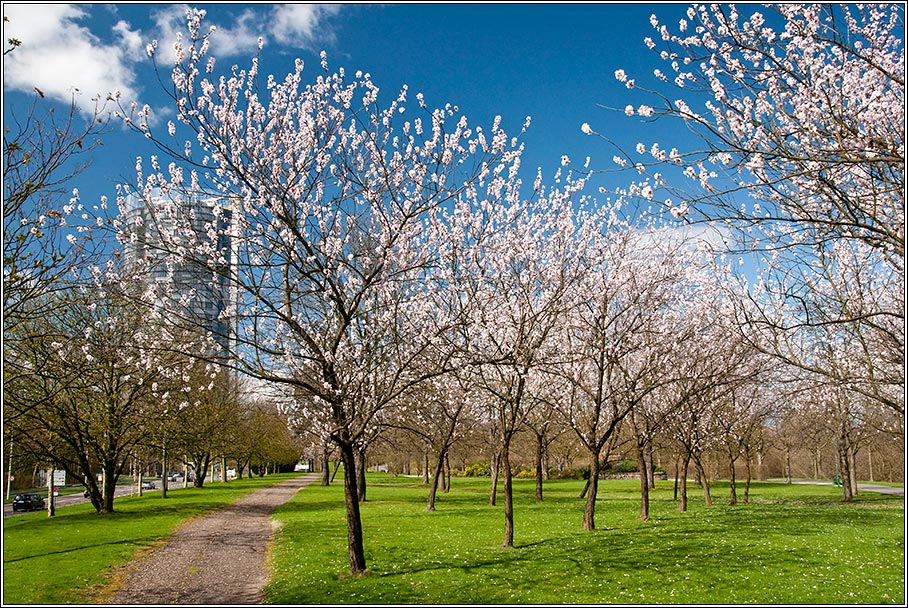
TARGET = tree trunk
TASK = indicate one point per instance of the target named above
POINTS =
(845, 474)
(589, 511)
(540, 449)
(109, 481)
(853, 470)
(337, 464)
(326, 468)
(164, 472)
(508, 496)
(787, 464)
(733, 496)
(433, 486)
(586, 488)
(51, 504)
(682, 491)
(677, 458)
(495, 465)
(447, 474)
(425, 468)
(355, 551)
(201, 470)
(650, 466)
(644, 483)
(360, 458)
(747, 480)
(224, 469)
(704, 481)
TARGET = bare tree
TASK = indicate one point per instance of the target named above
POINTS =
(43, 151)
(96, 378)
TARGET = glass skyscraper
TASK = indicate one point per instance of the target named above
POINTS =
(181, 250)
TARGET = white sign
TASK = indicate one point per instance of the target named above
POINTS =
(59, 478)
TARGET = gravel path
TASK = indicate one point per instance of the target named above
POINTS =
(220, 558)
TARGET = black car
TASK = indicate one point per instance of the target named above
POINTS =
(27, 501)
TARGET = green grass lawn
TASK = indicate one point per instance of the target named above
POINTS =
(70, 558)
(790, 545)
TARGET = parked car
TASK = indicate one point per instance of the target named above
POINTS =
(148, 485)
(27, 501)
(176, 477)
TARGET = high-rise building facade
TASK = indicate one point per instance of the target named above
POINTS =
(182, 250)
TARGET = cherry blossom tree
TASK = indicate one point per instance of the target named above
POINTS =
(439, 412)
(704, 362)
(803, 109)
(507, 264)
(844, 298)
(741, 413)
(47, 232)
(208, 413)
(616, 339)
(800, 109)
(324, 198)
(545, 426)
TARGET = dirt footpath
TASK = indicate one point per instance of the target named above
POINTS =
(220, 558)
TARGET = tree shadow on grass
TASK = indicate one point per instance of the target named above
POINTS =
(136, 542)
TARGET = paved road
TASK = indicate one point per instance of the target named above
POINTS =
(865, 487)
(73, 499)
(217, 559)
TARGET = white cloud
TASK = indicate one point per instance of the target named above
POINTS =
(64, 59)
(132, 42)
(168, 21)
(240, 39)
(302, 24)
(298, 25)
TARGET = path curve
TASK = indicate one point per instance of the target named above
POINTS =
(220, 558)
(866, 487)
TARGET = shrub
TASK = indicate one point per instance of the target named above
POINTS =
(477, 469)
(623, 466)
(574, 473)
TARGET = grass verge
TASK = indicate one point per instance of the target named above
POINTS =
(793, 544)
(70, 558)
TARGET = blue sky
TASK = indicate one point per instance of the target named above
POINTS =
(553, 62)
